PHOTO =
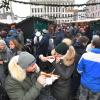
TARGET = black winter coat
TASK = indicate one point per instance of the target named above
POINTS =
(61, 87)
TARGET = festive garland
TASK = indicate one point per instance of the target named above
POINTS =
(5, 4)
(58, 5)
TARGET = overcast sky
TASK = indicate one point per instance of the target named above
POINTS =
(80, 1)
(22, 10)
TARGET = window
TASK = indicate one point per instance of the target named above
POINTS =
(47, 9)
(56, 9)
(32, 10)
(35, 10)
(50, 9)
(63, 9)
(41, 9)
(53, 9)
(59, 15)
(38, 9)
(59, 9)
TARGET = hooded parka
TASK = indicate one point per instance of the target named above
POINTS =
(20, 85)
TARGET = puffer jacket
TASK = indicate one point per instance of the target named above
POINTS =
(19, 85)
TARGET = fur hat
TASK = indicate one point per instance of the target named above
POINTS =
(26, 59)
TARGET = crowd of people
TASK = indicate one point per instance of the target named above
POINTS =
(55, 64)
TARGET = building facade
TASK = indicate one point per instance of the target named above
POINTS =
(93, 11)
(80, 14)
(58, 14)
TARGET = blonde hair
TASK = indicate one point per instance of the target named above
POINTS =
(69, 57)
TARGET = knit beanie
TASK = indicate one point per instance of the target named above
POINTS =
(26, 59)
(2, 42)
(61, 48)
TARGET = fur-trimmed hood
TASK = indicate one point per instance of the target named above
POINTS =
(16, 71)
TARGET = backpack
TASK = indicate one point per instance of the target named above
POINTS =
(3, 93)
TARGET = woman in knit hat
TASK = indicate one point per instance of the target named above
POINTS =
(64, 56)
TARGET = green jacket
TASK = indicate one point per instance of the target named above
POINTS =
(21, 86)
